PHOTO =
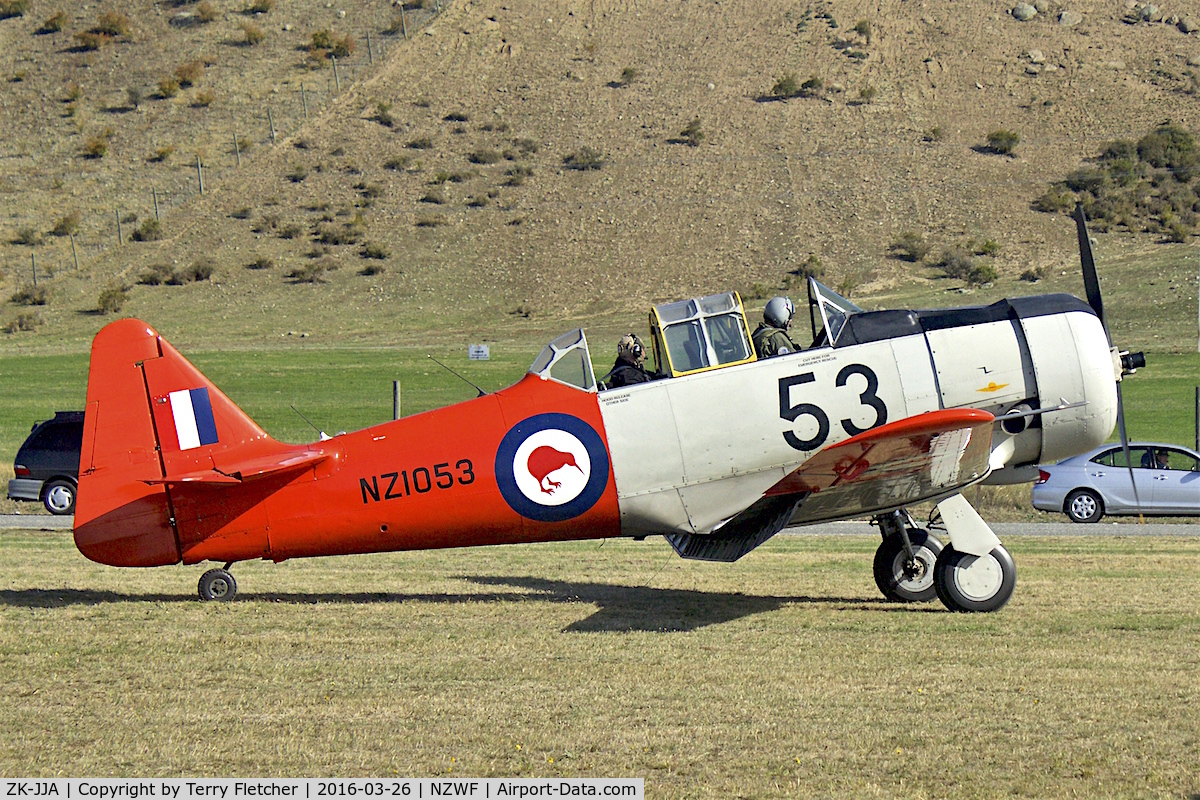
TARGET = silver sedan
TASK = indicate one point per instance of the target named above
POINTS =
(1166, 478)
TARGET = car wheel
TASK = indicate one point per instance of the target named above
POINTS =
(59, 497)
(1084, 505)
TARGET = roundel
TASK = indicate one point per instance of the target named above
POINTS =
(551, 467)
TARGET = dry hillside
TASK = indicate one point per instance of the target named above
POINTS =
(514, 163)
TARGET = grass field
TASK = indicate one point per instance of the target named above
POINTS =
(784, 675)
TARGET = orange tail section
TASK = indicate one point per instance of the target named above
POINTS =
(168, 460)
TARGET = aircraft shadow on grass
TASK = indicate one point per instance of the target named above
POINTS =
(620, 607)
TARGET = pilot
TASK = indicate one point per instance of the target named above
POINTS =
(770, 337)
(629, 368)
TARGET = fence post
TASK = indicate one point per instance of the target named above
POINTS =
(403, 23)
(74, 253)
(1197, 447)
(237, 151)
(304, 99)
(336, 81)
(120, 238)
(395, 399)
(199, 174)
(154, 194)
(271, 122)
(370, 56)
(33, 260)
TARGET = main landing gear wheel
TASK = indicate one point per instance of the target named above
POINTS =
(974, 583)
(1084, 505)
(218, 584)
(903, 579)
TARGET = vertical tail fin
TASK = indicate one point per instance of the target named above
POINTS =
(150, 415)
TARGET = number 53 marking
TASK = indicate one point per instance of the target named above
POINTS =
(793, 412)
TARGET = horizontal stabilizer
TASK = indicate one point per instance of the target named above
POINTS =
(894, 465)
(246, 470)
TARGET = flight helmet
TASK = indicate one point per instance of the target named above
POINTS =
(779, 312)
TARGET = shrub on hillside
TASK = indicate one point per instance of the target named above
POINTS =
(691, 135)
(910, 246)
(157, 275)
(254, 34)
(311, 272)
(1147, 186)
(260, 7)
(54, 23)
(204, 98)
(484, 156)
(66, 225)
(190, 73)
(205, 12)
(90, 40)
(200, 270)
(30, 296)
(25, 321)
(28, 236)
(148, 231)
(1003, 141)
(97, 146)
(113, 23)
(112, 299)
(13, 8)
(786, 87)
(1173, 149)
(585, 158)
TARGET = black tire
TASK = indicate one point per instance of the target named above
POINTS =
(218, 584)
(58, 496)
(969, 583)
(1084, 505)
(900, 582)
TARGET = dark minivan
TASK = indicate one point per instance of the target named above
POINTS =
(47, 465)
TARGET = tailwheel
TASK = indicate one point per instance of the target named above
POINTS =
(974, 583)
(218, 584)
(904, 573)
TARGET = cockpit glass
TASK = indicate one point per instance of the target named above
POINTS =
(566, 359)
(828, 312)
(674, 312)
(685, 343)
(728, 341)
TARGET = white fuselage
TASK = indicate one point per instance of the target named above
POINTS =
(690, 452)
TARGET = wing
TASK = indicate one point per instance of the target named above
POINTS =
(922, 457)
(919, 458)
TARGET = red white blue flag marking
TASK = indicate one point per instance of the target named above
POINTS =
(194, 423)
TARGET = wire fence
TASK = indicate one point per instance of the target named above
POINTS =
(256, 124)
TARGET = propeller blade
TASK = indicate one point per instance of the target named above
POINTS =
(1091, 281)
(1125, 447)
